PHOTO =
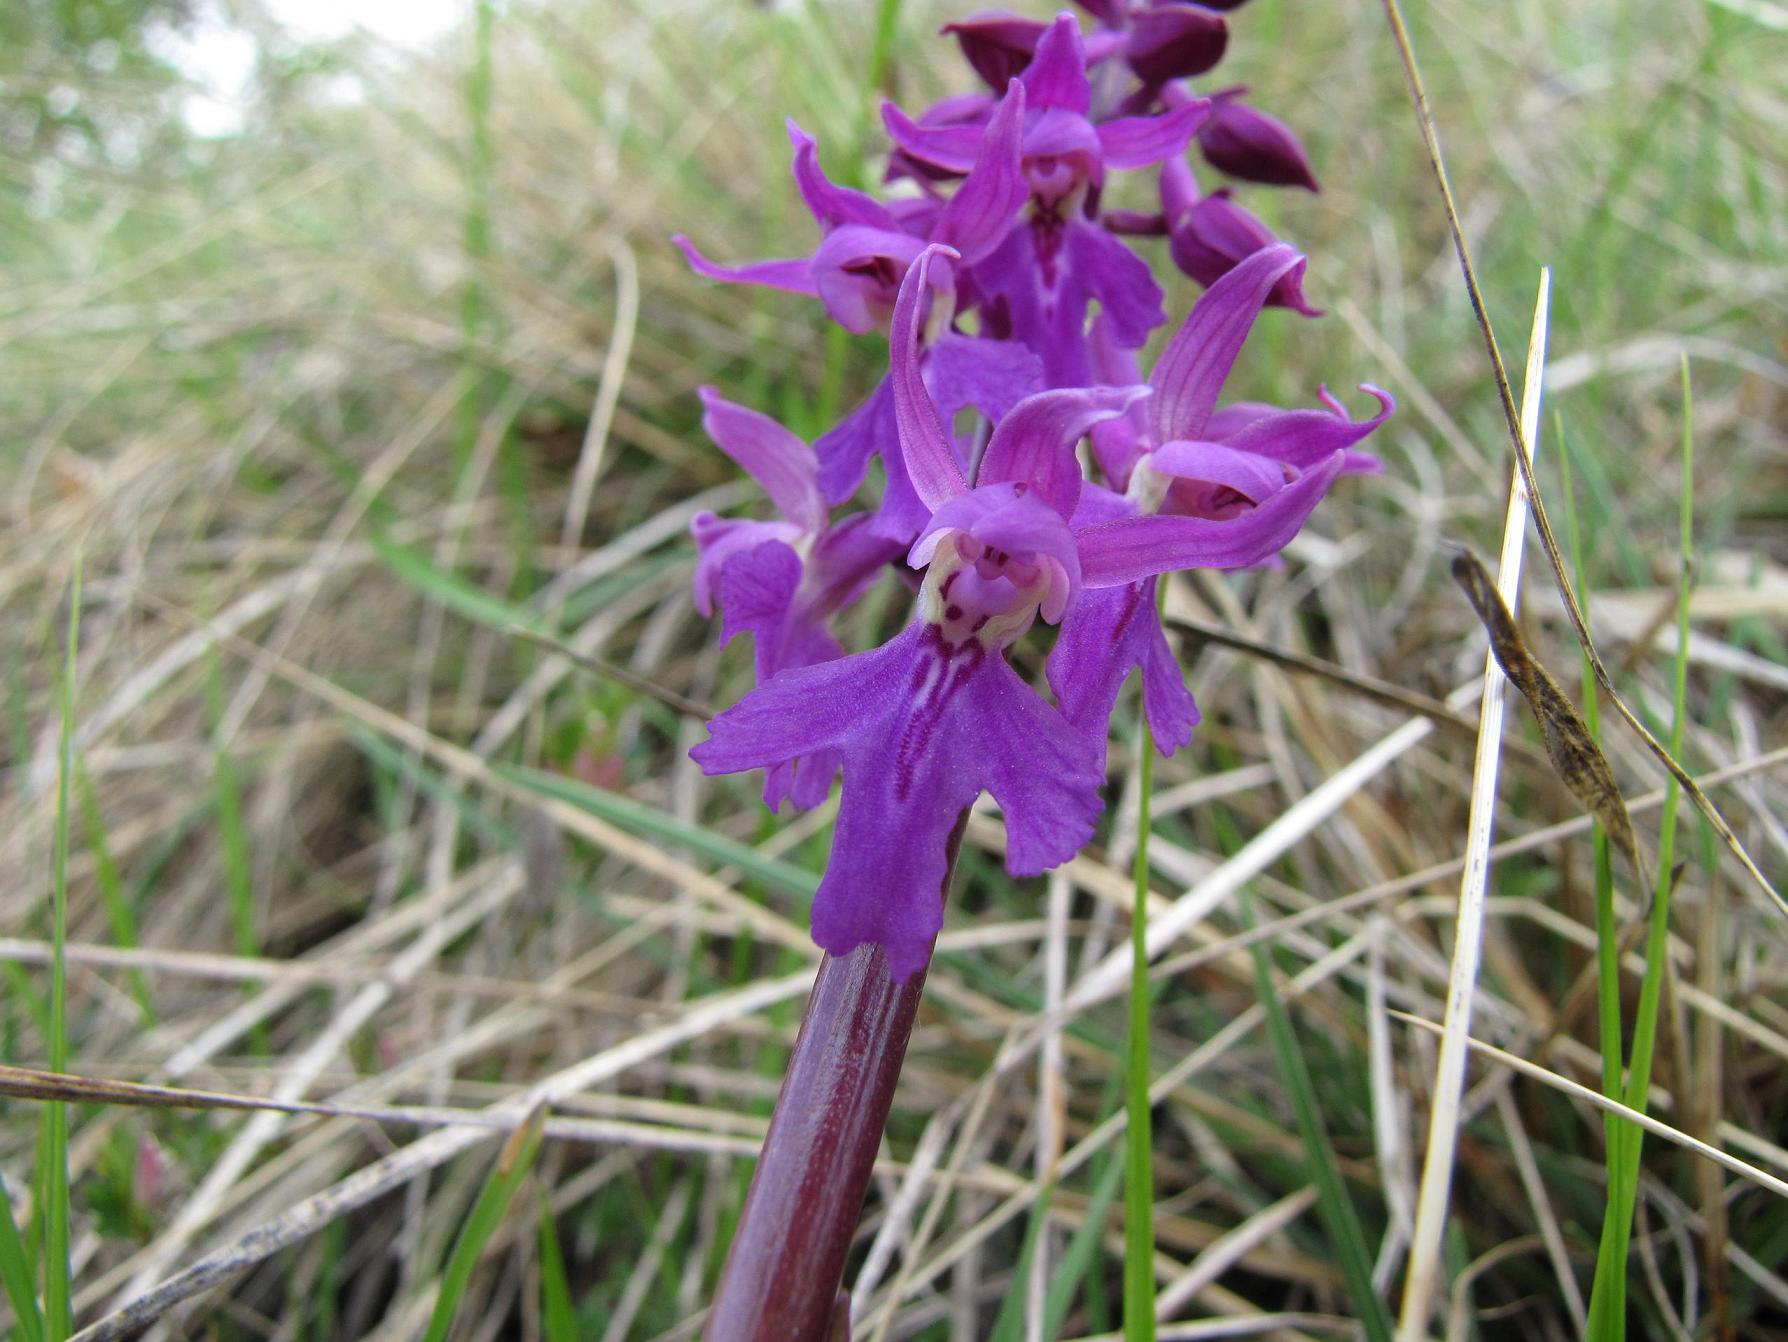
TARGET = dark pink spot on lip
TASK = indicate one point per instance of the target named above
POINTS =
(953, 612)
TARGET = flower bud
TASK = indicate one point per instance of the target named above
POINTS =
(1247, 143)
(1175, 41)
(997, 44)
(1212, 237)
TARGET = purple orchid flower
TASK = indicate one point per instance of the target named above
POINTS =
(865, 246)
(927, 722)
(1179, 455)
(781, 581)
(1207, 236)
(1038, 284)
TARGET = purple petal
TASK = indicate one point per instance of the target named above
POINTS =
(925, 443)
(991, 375)
(1193, 367)
(1247, 143)
(757, 597)
(856, 272)
(1005, 517)
(1131, 549)
(952, 146)
(981, 212)
(845, 561)
(1034, 444)
(996, 44)
(1176, 41)
(1117, 443)
(791, 276)
(922, 728)
(718, 539)
(830, 204)
(1179, 190)
(1099, 504)
(1137, 141)
(1056, 76)
(1256, 478)
(1120, 280)
(1107, 632)
(845, 449)
(1214, 234)
(780, 462)
(1303, 437)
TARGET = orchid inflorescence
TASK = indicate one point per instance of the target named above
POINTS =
(1006, 291)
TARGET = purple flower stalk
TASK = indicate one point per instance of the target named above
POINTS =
(1014, 307)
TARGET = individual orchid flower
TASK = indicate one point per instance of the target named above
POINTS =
(1038, 284)
(927, 722)
(1178, 456)
(781, 581)
(1207, 236)
(865, 246)
(857, 270)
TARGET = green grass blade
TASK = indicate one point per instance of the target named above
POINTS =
(1139, 1145)
(1607, 1312)
(558, 1315)
(1008, 1325)
(506, 1177)
(654, 824)
(53, 1176)
(1341, 1220)
(17, 1275)
(110, 883)
(1077, 1258)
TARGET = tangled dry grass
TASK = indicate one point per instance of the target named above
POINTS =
(330, 410)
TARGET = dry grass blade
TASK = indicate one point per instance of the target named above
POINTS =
(1434, 1193)
(1371, 687)
(393, 1171)
(1578, 1091)
(1574, 753)
(619, 674)
(1524, 463)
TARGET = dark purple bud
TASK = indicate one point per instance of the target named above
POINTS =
(1247, 143)
(998, 45)
(1175, 41)
(1108, 12)
(1215, 235)
(1134, 223)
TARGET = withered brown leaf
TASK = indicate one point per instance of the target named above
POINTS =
(1573, 751)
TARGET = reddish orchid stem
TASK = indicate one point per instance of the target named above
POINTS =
(787, 1259)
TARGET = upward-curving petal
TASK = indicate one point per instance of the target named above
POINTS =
(925, 444)
(982, 211)
(1192, 369)
(1137, 141)
(1034, 444)
(1056, 76)
(780, 462)
(1134, 548)
(791, 275)
(1300, 437)
(830, 204)
(952, 146)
